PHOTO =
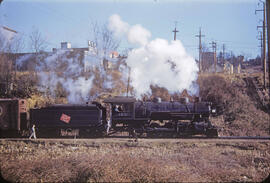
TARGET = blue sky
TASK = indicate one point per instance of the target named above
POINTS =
(228, 22)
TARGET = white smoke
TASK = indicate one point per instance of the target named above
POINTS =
(138, 35)
(23, 59)
(117, 25)
(158, 61)
(135, 34)
(62, 68)
(78, 89)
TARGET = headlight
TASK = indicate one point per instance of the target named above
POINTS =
(213, 110)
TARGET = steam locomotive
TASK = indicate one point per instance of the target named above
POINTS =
(118, 114)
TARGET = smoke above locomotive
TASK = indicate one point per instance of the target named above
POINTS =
(151, 62)
(61, 68)
(156, 62)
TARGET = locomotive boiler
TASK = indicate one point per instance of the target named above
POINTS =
(155, 117)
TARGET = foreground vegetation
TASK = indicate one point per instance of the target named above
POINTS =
(123, 160)
(240, 112)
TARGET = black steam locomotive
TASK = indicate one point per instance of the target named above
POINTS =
(157, 118)
(118, 114)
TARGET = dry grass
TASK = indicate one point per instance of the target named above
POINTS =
(122, 160)
(38, 100)
(239, 113)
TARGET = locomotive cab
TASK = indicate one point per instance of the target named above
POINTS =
(122, 108)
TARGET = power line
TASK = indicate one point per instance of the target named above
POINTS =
(200, 48)
(223, 54)
(268, 39)
(264, 42)
(233, 42)
(261, 46)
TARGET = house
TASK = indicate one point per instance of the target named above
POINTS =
(233, 66)
(213, 69)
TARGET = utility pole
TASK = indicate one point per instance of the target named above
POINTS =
(200, 49)
(264, 42)
(223, 54)
(261, 47)
(175, 31)
(268, 39)
(214, 47)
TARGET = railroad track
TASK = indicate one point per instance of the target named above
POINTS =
(157, 138)
(257, 91)
(244, 137)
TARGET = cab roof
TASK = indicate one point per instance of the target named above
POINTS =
(120, 99)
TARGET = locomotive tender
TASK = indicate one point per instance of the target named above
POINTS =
(153, 118)
(13, 117)
(68, 120)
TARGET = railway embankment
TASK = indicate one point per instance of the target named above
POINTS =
(241, 101)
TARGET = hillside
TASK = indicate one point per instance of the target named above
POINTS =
(241, 102)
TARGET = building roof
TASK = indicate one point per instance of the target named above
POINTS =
(9, 29)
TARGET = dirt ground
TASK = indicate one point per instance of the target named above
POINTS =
(125, 160)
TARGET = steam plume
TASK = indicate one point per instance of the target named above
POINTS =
(63, 69)
(158, 61)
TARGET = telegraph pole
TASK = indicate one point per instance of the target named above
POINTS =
(214, 47)
(223, 54)
(264, 42)
(261, 46)
(175, 31)
(264, 45)
(200, 49)
(268, 39)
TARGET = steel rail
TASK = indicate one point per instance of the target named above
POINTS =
(127, 137)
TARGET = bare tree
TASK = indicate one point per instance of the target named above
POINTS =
(104, 39)
(10, 47)
(5, 65)
(37, 42)
(3, 43)
(5, 74)
(17, 45)
(104, 43)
